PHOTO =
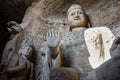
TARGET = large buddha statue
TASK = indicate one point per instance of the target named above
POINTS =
(68, 50)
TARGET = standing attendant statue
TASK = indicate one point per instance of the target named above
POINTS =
(10, 47)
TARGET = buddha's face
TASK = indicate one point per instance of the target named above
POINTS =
(76, 17)
(14, 27)
(26, 51)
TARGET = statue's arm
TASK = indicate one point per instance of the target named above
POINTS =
(53, 42)
(7, 50)
(53, 51)
(19, 67)
(31, 71)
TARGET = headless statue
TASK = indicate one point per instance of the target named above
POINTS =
(68, 49)
(17, 66)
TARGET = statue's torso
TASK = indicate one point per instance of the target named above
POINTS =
(77, 50)
(18, 61)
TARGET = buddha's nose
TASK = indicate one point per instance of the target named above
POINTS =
(77, 16)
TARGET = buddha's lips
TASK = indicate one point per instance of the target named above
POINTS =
(76, 18)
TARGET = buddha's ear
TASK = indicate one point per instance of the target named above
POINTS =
(89, 25)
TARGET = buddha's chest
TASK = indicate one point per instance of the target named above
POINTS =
(74, 40)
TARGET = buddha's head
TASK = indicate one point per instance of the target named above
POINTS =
(76, 16)
(26, 51)
(14, 28)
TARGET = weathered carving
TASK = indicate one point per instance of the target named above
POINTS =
(98, 41)
(7, 54)
(10, 46)
(14, 28)
(17, 66)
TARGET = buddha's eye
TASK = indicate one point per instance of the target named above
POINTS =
(79, 12)
(72, 14)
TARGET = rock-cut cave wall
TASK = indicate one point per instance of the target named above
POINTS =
(37, 16)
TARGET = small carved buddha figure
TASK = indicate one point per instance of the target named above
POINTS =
(18, 67)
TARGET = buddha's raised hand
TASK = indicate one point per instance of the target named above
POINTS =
(53, 38)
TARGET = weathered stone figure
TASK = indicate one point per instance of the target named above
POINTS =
(14, 28)
(7, 54)
(73, 57)
(17, 65)
(10, 46)
(19, 68)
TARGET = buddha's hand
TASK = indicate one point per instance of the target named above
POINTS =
(53, 38)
